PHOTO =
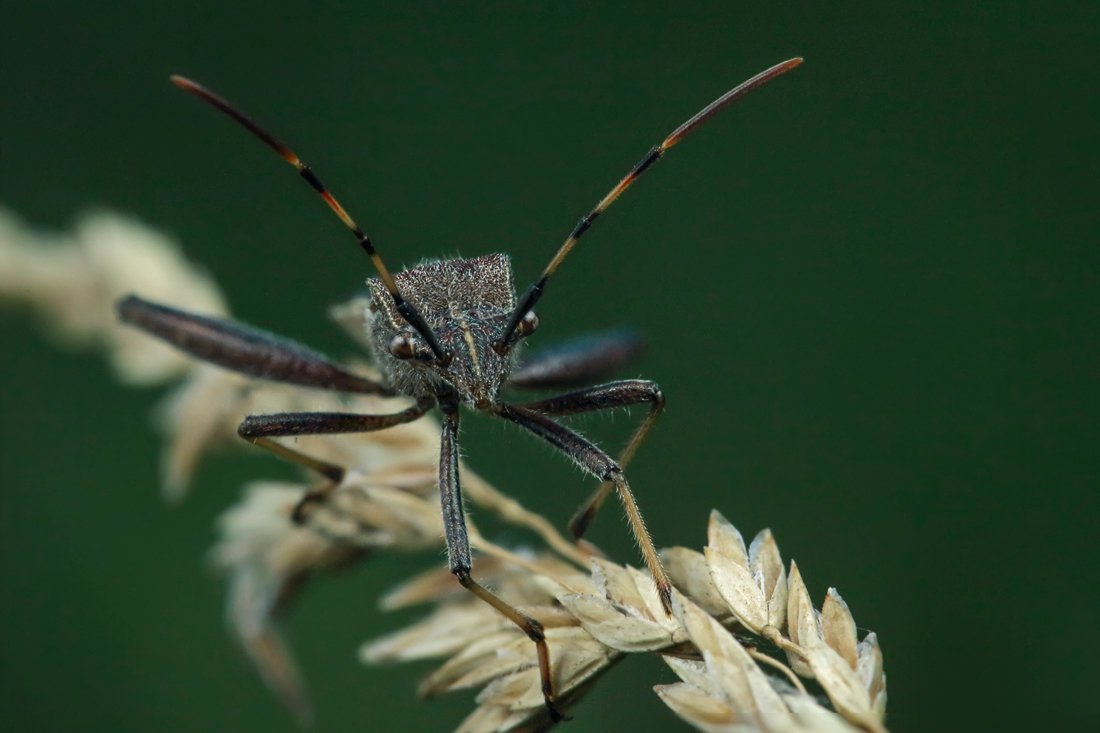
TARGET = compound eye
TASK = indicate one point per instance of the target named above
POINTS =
(404, 347)
(527, 324)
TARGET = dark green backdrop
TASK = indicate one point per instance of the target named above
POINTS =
(871, 291)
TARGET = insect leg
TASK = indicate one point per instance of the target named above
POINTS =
(578, 362)
(592, 459)
(459, 560)
(259, 429)
(241, 348)
(605, 397)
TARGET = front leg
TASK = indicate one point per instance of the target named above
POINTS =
(260, 429)
(325, 423)
(605, 397)
(592, 459)
(458, 552)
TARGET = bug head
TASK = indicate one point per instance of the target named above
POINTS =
(467, 304)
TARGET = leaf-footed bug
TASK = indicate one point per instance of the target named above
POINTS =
(445, 333)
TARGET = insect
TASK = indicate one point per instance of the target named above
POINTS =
(446, 334)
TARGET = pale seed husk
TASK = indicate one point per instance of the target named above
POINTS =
(690, 573)
(614, 627)
(838, 628)
(729, 569)
(700, 710)
(769, 572)
(871, 674)
(743, 685)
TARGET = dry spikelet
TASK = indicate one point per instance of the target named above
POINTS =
(594, 620)
(485, 650)
(744, 633)
(268, 559)
(73, 281)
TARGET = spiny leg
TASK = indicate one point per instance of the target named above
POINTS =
(579, 362)
(241, 348)
(407, 310)
(594, 460)
(608, 396)
(259, 429)
(460, 561)
(509, 336)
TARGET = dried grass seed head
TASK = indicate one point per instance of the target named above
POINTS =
(596, 619)
(73, 281)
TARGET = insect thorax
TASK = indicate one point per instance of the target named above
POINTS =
(467, 303)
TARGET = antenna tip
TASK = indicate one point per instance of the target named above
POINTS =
(182, 82)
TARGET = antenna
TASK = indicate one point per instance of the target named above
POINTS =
(535, 291)
(407, 310)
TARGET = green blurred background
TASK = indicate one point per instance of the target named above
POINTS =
(870, 289)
